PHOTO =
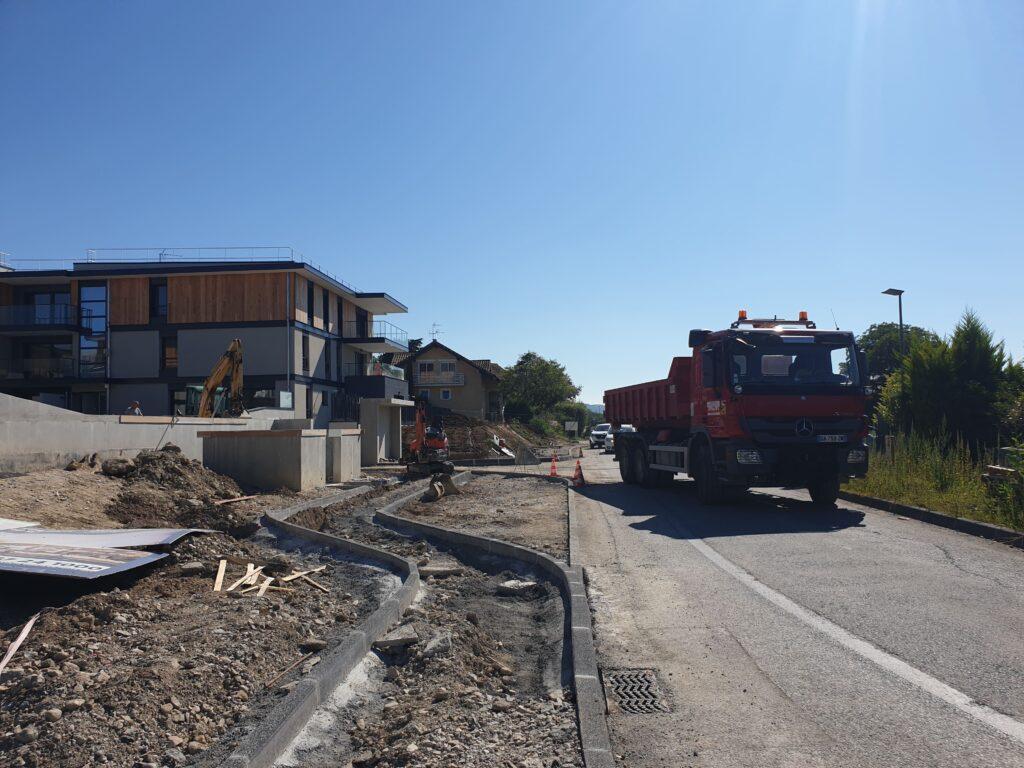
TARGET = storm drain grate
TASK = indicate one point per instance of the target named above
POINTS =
(634, 690)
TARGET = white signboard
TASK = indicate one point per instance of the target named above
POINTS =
(571, 426)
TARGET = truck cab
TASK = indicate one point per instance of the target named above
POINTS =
(780, 403)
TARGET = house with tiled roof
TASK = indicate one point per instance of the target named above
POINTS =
(452, 381)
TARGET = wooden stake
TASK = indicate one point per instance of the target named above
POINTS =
(300, 574)
(288, 669)
(218, 502)
(219, 581)
(321, 587)
(263, 589)
(249, 578)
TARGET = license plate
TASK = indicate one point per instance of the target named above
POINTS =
(831, 438)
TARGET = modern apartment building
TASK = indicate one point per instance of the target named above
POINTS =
(98, 334)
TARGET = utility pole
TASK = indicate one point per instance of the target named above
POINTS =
(898, 293)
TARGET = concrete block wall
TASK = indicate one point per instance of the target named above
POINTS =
(269, 459)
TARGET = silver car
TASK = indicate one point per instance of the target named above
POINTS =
(598, 433)
(609, 440)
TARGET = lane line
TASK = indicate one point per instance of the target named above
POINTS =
(922, 680)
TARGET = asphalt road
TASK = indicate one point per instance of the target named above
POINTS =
(783, 634)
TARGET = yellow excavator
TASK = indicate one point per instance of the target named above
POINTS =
(208, 400)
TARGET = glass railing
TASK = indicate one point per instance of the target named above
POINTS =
(44, 315)
(376, 329)
(38, 368)
(372, 369)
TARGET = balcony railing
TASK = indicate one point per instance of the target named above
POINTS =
(44, 316)
(38, 368)
(377, 329)
(372, 369)
(438, 379)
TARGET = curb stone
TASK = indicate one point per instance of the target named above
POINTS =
(962, 524)
(590, 703)
(271, 736)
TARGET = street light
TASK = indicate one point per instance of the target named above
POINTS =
(898, 293)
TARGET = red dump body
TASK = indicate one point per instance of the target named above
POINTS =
(662, 404)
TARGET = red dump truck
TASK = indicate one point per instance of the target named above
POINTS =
(767, 402)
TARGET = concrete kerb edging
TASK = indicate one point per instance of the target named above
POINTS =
(963, 525)
(264, 745)
(590, 704)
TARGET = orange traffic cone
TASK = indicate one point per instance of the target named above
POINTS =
(577, 476)
(554, 466)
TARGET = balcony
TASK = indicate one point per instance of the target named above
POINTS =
(30, 318)
(349, 370)
(375, 337)
(37, 368)
(438, 379)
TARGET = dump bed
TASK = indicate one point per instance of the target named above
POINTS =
(662, 404)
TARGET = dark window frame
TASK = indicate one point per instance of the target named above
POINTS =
(305, 352)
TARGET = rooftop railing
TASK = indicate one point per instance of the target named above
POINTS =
(372, 369)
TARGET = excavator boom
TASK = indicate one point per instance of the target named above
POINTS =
(230, 363)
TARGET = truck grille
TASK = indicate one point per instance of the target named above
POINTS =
(785, 430)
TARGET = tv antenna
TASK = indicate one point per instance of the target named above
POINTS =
(435, 331)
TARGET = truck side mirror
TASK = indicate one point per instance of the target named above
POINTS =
(698, 337)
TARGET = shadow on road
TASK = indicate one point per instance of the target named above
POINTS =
(675, 512)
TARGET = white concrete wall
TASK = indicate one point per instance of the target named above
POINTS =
(37, 436)
(270, 459)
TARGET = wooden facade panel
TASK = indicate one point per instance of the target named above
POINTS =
(128, 303)
(226, 298)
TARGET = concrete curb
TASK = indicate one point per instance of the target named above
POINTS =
(590, 704)
(265, 744)
(962, 524)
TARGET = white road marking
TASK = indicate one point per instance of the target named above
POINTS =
(940, 690)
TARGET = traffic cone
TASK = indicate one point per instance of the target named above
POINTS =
(577, 476)
(554, 466)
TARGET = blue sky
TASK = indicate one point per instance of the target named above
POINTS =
(588, 180)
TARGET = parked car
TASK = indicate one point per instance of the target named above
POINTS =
(597, 434)
(609, 440)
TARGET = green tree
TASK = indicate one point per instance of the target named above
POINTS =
(956, 388)
(535, 385)
(881, 344)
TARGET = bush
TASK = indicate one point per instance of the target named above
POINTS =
(940, 474)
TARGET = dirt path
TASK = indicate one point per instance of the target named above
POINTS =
(520, 509)
(484, 683)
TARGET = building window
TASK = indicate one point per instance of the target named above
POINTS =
(446, 366)
(446, 394)
(327, 359)
(327, 311)
(424, 394)
(309, 402)
(305, 353)
(309, 302)
(158, 298)
(426, 367)
(92, 345)
(169, 353)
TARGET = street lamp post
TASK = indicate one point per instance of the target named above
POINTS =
(898, 293)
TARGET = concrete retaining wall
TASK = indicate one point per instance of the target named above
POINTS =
(38, 436)
(270, 458)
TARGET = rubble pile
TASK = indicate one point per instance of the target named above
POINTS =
(166, 488)
(155, 675)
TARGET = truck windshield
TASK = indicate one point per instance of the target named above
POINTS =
(794, 361)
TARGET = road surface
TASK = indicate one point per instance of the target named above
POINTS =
(783, 634)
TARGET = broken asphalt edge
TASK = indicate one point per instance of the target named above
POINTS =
(278, 728)
(962, 524)
(590, 703)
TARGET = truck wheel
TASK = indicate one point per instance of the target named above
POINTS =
(825, 490)
(709, 488)
(642, 473)
(625, 457)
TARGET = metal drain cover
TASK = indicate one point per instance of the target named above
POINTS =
(634, 691)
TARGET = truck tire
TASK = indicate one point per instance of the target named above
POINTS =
(642, 472)
(825, 490)
(709, 487)
(625, 457)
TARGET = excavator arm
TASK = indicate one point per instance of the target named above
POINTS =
(230, 363)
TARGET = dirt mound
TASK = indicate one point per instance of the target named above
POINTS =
(162, 671)
(470, 438)
(165, 488)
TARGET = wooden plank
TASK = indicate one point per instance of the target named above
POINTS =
(300, 574)
(226, 298)
(263, 588)
(219, 581)
(218, 502)
(316, 584)
(249, 578)
(128, 302)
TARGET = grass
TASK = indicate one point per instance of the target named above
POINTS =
(928, 473)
